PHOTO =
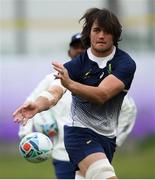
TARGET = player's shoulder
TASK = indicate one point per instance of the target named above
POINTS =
(122, 57)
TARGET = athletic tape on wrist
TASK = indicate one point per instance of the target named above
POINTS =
(47, 95)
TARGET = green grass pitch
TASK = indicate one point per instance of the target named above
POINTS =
(138, 163)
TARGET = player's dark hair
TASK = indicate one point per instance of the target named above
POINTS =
(104, 19)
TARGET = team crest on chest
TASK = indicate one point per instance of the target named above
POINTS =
(87, 74)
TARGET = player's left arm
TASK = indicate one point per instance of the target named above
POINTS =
(108, 88)
(113, 84)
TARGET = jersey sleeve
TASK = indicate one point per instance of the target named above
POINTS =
(124, 71)
(126, 119)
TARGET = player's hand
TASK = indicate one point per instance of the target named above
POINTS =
(62, 74)
(25, 112)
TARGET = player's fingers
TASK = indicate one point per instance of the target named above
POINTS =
(59, 70)
(58, 67)
(16, 120)
(26, 104)
(57, 64)
(17, 111)
(18, 117)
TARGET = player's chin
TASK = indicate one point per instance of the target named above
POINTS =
(100, 47)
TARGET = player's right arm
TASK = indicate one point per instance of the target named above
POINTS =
(46, 100)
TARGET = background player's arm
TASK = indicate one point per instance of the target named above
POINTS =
(126, 119)
(43, 85)
(42, 103)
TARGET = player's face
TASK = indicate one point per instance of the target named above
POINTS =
(101, 41)
(75, 50)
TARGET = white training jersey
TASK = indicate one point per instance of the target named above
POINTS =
(60, 112)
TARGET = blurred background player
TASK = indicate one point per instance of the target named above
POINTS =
(60, 114)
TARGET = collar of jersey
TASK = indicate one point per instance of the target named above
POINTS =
(101, 61)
